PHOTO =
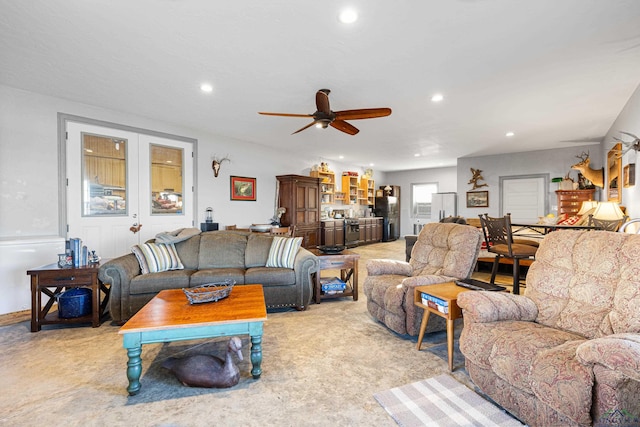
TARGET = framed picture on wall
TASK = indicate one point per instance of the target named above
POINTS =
(629, 175)
(243, 188)
(477, 199)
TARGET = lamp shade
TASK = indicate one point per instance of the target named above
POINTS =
(609, 211)
(587, 207)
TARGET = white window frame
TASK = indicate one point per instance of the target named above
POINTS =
(421, 199)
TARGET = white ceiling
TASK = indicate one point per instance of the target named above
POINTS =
(552, 71)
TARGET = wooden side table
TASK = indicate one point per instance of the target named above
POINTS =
(347, 262)
(50, 280)
(447, 292)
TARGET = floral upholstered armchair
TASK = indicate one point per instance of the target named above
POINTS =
(567, 352)
(443, 252)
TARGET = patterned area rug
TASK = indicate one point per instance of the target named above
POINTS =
(441, 401)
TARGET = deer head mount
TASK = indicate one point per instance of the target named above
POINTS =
(215, 164)
(596, 176)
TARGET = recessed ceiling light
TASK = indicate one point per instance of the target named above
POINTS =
(341, 156)
(348, 16)
(371, 164)
(509, 134)
(437, 97)
(416, 155)
(206, 87)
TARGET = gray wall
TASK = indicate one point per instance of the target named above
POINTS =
(556, 163)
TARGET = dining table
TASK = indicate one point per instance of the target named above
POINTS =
(547, 228)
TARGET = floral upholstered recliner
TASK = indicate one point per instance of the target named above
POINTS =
(567, 352)
(443, 252)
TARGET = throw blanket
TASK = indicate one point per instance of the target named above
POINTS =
(177, 235)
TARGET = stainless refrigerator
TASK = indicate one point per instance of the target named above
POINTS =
(443, 205)
(388, 207)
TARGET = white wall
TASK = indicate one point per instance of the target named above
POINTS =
(444, 177)
(628, 121)
(29, 165)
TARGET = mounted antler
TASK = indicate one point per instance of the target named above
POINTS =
(215, 164)
(596, 176)
(633, 145)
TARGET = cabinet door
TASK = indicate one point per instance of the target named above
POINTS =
(339, 233)
(328, 233)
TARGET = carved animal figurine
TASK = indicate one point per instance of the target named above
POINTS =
(596, 176)
(476, 175)
(203, 370)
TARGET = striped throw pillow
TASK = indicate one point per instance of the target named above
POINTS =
(157, 257)
(283, 251)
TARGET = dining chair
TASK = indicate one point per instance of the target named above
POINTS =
(499, 239)
(607, 224)
(282, 231)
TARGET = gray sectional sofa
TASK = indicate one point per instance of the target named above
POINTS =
(210, 257)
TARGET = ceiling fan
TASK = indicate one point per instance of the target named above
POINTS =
(324, 117)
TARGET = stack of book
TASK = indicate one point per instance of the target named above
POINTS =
(332, 285)
(441, 305)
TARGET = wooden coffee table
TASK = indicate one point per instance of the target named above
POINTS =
(169, 317)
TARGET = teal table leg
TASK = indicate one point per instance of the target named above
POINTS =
(134, 369)
(256, 356)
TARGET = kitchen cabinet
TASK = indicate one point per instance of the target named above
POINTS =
(327, 186)
(367, 193)
(370, 230)
(332, 232)
(570, 201)
(350, 188)
(300, 196)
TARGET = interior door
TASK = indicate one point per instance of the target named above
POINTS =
(124, 187)
(524, 197)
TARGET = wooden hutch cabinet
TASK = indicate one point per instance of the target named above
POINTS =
(570, 201)
(300, 195)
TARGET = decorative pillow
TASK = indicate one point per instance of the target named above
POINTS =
(570, 221)
(283, 251)
(157, 257)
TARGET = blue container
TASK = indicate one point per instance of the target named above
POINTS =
(75, 302)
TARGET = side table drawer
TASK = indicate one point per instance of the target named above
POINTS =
(58, 278)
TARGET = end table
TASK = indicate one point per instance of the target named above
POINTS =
(347, 262)
(51, 279)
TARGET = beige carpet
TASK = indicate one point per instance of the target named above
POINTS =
(321, 367)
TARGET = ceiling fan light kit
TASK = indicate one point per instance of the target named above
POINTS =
(324, 117)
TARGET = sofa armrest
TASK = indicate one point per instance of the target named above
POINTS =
(485, 306)
(618, 352)
(118, 273)
(304, 266)
(378, 267)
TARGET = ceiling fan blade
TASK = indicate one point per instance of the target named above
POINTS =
(285, 114)
(344, 127)
(307, 126)
(322, 101)
(364, 113)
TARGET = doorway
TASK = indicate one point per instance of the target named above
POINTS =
(124, 186)
(524, 197)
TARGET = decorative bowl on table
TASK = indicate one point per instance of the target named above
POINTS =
(260, 228)
(209, 292)
(331, 250)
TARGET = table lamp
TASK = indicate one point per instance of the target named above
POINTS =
(609, 211)
(588, 207)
